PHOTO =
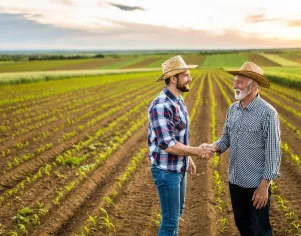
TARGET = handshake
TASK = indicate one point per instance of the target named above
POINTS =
(206, 151)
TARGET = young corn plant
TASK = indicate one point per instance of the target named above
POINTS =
(156, 219)
(109, 201)
(222, 224)
(106, 222)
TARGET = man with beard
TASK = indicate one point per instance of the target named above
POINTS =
(252, 132)
(168, 143)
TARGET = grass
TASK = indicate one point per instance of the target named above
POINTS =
(224, 60)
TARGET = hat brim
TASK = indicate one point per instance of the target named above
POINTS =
(260, 79)
(173, 72)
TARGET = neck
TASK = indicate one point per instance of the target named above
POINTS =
(174, 90)
(246, 101)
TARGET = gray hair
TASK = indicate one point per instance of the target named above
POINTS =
(256, 83)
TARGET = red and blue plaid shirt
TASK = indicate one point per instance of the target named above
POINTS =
(168, 124)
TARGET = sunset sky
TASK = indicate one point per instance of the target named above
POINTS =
(149, 24)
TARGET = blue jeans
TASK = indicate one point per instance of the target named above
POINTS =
(172, 190)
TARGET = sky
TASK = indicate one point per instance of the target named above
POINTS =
(149, 24)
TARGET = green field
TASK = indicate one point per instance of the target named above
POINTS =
(126, 61)
(280, 60)
(41, 65)
(224, 60)
(81, 144)
(282, 63)
(30, 77)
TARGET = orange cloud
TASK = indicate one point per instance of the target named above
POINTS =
(251, 19)
(294, 23)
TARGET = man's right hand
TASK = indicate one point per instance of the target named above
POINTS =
(205, 152)
(209, 150)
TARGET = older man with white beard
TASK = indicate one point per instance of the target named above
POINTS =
(252, 133)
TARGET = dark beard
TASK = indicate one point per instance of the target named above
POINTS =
(182, 88)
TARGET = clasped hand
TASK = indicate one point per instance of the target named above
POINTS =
(206, 151)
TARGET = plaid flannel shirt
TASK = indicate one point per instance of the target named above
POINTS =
(168, 124)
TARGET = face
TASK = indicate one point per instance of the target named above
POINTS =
(242, 86)
(183, 81)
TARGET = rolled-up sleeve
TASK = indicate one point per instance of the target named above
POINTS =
(272, 146)
(224, 141)
(161, 120)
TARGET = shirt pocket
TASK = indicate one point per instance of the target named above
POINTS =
(254, 136)
(231, 126)
(231, 122)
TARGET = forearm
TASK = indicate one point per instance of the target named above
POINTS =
(180, 149)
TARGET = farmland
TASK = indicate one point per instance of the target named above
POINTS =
(74, 156)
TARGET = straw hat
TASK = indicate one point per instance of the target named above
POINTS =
(254, 72)
(173, 66)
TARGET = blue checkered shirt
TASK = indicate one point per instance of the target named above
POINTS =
(253, 135)
(168, 124)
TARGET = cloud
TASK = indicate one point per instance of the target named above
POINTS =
(18, 32)
(65, 2)
(251, 19)
(126, 8)
(294, 23)
(161, 37)
(16, 28)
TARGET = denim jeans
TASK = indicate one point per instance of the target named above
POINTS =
(249, 220)
(172, 190)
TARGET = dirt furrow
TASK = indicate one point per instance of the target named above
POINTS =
(74, 209)
(221, 112)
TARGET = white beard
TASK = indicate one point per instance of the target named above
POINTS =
(242, 94)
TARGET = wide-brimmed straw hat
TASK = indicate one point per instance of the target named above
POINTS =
(173, 66)
(254, 72)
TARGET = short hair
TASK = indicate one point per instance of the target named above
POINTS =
(167, 81)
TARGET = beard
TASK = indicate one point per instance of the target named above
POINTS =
(183, 88)
(241, 94)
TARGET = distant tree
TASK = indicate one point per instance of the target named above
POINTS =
(99, 56)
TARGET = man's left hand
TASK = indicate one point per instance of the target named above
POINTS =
(260, 197)
(191, 167)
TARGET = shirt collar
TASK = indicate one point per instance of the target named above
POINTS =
(171, 96)
(252, 105)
